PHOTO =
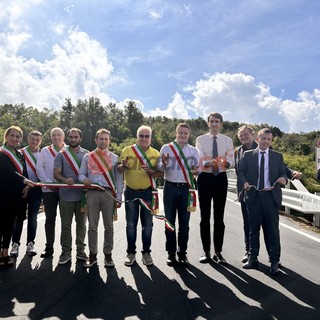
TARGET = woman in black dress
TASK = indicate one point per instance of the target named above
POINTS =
(13, 189)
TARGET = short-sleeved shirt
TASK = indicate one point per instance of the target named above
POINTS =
(60, 161)
(135, 177)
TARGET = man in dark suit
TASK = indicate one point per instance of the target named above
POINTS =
(245, 136)
(261, 173)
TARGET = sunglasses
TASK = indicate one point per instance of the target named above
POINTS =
(147, 136)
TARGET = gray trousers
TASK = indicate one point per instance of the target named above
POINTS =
(100, 201)
(68, 209)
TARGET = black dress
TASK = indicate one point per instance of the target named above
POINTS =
(11, 203)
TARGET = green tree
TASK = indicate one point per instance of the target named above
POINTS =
(66, 115)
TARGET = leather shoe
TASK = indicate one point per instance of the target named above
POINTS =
(183, 259)
(205, 258)
(91, 261)
(274, 269)
(48, 252)
(245, 257)
(252, 263)
(220, 259)
(171, 260)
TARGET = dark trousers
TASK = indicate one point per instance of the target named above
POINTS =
(212, 188)
(134, 209)
(264, 212)
(33, 201)
(50, 201)
(246, 225)
(175, 200)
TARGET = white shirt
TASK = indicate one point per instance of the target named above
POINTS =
(45, 165)
(204, 144)
(266, 168)
(173, 172)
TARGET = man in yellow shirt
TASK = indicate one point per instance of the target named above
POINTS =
(139, 164)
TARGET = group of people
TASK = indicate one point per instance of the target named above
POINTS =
(84, 183)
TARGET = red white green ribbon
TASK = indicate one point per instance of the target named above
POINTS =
(72, 159)
(31, 160)
(100, 159)
(192, 196)
(144, 203)
(145, 162)
(53, 150)
(13, 157)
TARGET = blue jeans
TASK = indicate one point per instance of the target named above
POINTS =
(133, 209)
(175, 199)
(34, 201)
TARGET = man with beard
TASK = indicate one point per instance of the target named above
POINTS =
(66, 169)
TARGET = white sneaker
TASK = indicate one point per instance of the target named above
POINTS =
(64, 258)
(130, 259)
(14, 250)
(31, 250)
(146, 259)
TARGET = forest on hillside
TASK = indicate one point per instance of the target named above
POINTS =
(89, 115)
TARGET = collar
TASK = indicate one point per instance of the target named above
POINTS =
(212, 135)
(265, 151)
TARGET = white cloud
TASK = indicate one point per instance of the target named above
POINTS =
(79, 68)
(154, 15)
(302, 115)
(239, 98)
(178, 108)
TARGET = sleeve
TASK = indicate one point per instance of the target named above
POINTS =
(282, 169)
(41, 166)
(83, 171)
(230, 153)
(119, 181)
(242, 171)
(203, 159)
(58, 161)
(160, 165)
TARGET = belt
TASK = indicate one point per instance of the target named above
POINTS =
(222, 172)
(139, 190)
(101, 190)
(177, 184)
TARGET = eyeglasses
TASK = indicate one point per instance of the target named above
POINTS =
(147, 136)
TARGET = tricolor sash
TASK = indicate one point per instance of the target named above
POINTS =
(102, 163)
(74, 164)
(192, 197)
(13, 157)
(53, 150)
(31, 160)
(145, 162)
(72, 159)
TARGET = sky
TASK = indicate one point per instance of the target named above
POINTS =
(254, 61)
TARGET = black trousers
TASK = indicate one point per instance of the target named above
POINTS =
(212, 188)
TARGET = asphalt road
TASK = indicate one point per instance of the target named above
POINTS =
(41, 289)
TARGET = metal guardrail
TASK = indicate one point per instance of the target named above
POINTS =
(300, 200)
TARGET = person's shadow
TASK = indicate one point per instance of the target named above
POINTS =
(162, 298)
(213, 300)
(278, 304)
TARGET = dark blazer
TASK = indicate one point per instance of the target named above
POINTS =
(238, 154)
(248, 171)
